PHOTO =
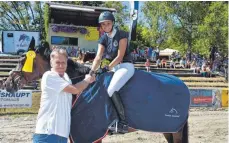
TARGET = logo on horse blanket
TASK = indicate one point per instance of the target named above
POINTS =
(148, 98)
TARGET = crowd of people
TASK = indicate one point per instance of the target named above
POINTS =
(199, 64)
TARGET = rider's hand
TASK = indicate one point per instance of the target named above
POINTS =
(89, 79)
(103, 70)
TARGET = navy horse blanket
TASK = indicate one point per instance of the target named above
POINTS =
(153, 102)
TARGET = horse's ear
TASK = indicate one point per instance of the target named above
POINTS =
(32, 45)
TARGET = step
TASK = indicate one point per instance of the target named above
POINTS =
(13, 65)
(205, 87)
(9, 60)
(151, 64)
(2, 75)
(5, 69)
(202, 79)
(5, 56)
(154, 62)
(207, 84)
(186, 74)
(167, 70)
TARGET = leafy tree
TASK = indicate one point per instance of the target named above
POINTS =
(122, 14)
(186, 26)
(214, 29)
(19, 16)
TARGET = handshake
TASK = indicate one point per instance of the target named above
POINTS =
(89, 79)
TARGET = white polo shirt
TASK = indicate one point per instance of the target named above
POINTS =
(54, 115)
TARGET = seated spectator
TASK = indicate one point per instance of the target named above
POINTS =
(204, 71)
(158, 63)
(208, 70)
(188, 64)
(153, 56)
(163, 63)
(147, 65)
(194, 66)
(172, 63)
(182, 63)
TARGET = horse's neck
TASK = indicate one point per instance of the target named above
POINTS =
(76, 70)
(44, 65)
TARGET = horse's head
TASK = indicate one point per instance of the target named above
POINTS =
(18, 78)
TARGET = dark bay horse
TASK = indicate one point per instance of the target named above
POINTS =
(76, 72)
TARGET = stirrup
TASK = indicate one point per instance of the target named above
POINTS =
(114, 128)
(118, 128)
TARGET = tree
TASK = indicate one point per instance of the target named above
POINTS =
(156, 14)
(18, 16)
(186, 26)
(214, 29)
(122, 14)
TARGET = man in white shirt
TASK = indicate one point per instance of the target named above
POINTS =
(53, 120)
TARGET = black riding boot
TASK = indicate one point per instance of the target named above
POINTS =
(122, 125)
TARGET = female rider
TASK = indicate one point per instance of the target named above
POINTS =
(113, 46)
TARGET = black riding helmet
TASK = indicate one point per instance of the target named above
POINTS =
(106, 15)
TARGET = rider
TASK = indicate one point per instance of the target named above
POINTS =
(113, 46)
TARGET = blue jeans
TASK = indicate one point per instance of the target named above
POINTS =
(44, 138)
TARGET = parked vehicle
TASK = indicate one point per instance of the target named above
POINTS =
(17, 42)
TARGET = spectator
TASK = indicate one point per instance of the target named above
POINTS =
(142, 53)
(208, 70)
(172, 63)
(158, 63)
(163, 63)
(182, 63)
(154, 56)
(204, 71)
(157, 52)
(149, 52)
(178, 57)
(188, 64)
(193, 66)
(147, 65)
(145, 53)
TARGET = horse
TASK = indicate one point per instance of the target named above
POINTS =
(86, 126)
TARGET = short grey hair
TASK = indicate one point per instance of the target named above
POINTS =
(60, 51)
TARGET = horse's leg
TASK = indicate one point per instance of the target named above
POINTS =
(168, 137)
(182, 135)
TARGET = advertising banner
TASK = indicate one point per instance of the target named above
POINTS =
(20, 99)
(201, 97)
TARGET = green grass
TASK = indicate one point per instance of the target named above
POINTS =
(18, 111)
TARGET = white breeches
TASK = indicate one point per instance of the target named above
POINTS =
(122, 73)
